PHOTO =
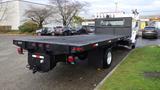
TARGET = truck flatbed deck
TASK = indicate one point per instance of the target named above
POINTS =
(79, 40)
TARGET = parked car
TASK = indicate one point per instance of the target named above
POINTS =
(85, 30)
(45, 31)
(64, 31)
(58, 30)
(150, 32)
(67, 31)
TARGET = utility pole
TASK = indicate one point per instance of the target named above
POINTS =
(116, 8)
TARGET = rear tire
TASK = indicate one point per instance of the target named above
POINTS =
(133, 46)
(107, 61)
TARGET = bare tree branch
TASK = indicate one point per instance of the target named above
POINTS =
(67, 9)
(39, 15)
(3, 10)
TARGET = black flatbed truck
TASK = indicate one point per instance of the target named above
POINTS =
(45, 52)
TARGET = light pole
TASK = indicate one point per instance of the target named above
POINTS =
(116, 8)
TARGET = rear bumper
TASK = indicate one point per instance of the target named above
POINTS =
(45, 33)
(58, 33)
(145, 34)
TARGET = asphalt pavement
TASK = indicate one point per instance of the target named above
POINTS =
(14, 75)
(141, 42)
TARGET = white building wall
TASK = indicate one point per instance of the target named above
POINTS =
(24, 5)
(11, 16)
(88, 23)
(15, 15)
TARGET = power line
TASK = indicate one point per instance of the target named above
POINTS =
(151, 11)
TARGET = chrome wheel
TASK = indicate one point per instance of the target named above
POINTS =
(107, 61)
(109, 58)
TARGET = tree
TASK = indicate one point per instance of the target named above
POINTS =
(3, 10)
(77, 20)
(28, 26)
(39, 15)
(67, 9)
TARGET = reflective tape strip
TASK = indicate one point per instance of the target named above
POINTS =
(42, 57)
(35, 56)
(97, 44)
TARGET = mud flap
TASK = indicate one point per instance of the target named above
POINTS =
(95, 57)
(42, 63)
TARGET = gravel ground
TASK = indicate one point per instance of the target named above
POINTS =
(14, 75)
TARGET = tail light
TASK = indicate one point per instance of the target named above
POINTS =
(78, 49)
(71, 60)
(20, 50)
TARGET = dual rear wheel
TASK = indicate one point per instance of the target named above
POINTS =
(104, 58)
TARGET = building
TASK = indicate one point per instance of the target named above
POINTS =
(150, 20)
(13, 12)
(89, 22)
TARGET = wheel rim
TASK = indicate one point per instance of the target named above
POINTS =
(109, 58)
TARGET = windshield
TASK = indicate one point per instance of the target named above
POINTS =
(149, 28)
(46, 28)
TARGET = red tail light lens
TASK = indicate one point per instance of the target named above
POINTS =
(37, 55)
(78, 49)
(71, 60)
(20, 50)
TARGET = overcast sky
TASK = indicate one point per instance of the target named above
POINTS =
(149, 6)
